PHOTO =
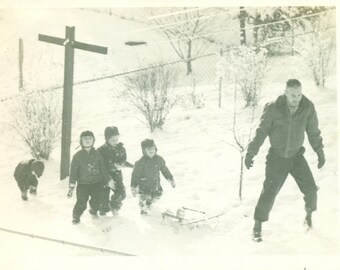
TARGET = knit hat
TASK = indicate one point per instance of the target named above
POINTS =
(147, 143)
(111, 131)
(38, 167)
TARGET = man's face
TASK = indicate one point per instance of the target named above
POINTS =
(293, 95)
(150, 151)
(87, 141)
(113, 140)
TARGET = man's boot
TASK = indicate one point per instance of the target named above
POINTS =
(76, 220)
(308, 220)
(257, 231)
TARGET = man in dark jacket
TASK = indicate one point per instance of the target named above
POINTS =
(145, 179)
(285, 121)
(114, 155)
(26, 174)
(89, 172)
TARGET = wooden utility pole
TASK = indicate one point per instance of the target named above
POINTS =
(21, 61)
(70, 44)
(242, 26)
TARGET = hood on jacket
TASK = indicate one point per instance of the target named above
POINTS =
(146, 144)
(86, 133)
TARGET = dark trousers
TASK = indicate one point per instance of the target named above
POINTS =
(84, 192)
(146, 199)
(277, 170)
(25, 184)
(119, 194)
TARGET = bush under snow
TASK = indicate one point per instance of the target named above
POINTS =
(37, 119)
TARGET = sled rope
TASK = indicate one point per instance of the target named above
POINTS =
(103, 250)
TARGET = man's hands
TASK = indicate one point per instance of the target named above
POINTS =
(172, 183)
(321, 159)
(70, 190)
(249, 161)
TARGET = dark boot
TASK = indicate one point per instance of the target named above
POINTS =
(76, 220)
(308, 220)
(143, 212)
(93, 213)
(33, 190)
(104, 209)
(257, 231)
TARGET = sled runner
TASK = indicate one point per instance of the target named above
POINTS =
(188, 217)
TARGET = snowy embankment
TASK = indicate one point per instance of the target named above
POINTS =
(205, 168)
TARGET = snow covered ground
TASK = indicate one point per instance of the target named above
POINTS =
(205, 168)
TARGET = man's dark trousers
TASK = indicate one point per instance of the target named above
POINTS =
(277, 170)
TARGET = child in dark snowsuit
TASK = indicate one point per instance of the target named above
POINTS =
(89, 172)
(145, 180)
(26, 174)
(114, 155)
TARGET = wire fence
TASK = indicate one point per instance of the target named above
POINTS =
(103, 92)
(211, 57)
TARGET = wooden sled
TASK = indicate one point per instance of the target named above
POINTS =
(188, 217)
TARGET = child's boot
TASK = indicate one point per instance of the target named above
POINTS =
(24, 195)
(93, 213)
(33, 190)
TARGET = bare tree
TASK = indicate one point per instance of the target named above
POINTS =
(241, 129)
(150, 92)
(186, 31)
(242, 134)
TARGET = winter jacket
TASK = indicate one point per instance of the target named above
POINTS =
(145, 174)
(88, 168)
(23, 172)
(114, 157)
(287, 132)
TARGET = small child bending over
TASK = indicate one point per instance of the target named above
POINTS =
(26, 174)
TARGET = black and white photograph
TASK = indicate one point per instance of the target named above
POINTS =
(169, 130)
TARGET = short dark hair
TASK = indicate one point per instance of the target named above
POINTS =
(293, 83)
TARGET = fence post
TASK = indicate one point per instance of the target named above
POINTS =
(220, 86)
(242, 26)
(21, 61)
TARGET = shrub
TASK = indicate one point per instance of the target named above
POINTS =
(37, 119)
(150, 91)
(316, 49)
(245, 68)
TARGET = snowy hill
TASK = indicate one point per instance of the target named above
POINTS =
(205, 168)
